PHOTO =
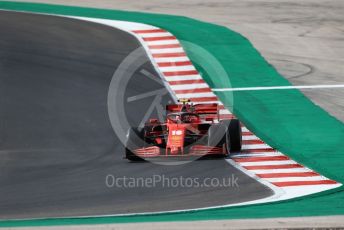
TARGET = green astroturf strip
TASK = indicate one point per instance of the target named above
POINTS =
(285, 119)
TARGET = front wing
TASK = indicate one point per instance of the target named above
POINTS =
(195, 150)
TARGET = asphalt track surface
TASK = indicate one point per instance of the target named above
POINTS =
(56, 142)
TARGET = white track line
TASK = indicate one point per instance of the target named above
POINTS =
(184, 77)
(153, 35)
(171, 59)
(284, 179)
(190, 86)
(162, 42)
(195, 95)
(169, 50)
(224, 111)
(284, 162)
(256, 146)
(177, 68)
(250, 137)
(207, 102)
(279, 87)
(244, 129)
(268, 171)
(263, 154)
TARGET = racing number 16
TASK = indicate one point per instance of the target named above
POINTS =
(177, 132)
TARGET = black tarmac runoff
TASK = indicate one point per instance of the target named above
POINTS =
(58, 148)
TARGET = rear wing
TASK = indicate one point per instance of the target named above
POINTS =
(208, 110)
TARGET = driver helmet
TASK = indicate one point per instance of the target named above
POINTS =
(178, 119)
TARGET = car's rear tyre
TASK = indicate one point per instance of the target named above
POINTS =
(135, 140)
(216, 135)
(233, 135)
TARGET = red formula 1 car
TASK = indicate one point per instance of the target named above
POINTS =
(189, 130)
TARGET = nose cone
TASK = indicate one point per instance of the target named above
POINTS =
(175, 150)
(175, 142)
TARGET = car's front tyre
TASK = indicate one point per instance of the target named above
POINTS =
(135, 140)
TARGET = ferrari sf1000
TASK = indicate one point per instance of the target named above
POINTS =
(189, 130)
